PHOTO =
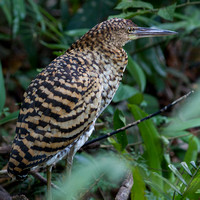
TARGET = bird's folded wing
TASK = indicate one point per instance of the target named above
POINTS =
(57, 109)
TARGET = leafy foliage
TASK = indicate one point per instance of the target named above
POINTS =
(160, 153)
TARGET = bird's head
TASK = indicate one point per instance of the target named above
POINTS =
(118, 31)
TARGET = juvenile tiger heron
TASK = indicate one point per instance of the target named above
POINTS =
(62, 103)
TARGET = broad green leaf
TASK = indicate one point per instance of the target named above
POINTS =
(167, 12)
(2, 90)
(136, 99)
(179, 125)
(133, 4)
(124, 92)
(137, 73)
(10, 117)
(138, 189)
(114, 142)
(151, 102)
(118, 122)
(182, 134)
(192, 151)
(150, 136)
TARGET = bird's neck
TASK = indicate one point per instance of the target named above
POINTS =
(101, 55)
(105, 62)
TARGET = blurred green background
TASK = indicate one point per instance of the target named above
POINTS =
(160, 70)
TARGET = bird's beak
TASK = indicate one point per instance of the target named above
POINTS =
(141, 32)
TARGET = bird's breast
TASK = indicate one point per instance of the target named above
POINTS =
(111, 66)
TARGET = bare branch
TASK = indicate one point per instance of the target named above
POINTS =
(125, 188)
(42, 179)
(5, 149)
(140, 120)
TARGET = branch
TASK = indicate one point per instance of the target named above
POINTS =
(42, 179)
(125, 188)
(5, 149)
(140, 120)
(155, 10)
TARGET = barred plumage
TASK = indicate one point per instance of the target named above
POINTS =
(63, 102)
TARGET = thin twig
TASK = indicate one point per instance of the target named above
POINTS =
(139, 121)
(89, 189)
(42, 179)
(155, 10)
(5, 149)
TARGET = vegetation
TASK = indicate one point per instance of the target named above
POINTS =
(162, 153)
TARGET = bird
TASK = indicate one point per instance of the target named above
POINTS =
(61, 105)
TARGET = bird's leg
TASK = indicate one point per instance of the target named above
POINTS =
(49, 195)
(69, 161)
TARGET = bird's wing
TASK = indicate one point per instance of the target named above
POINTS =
(59, 105)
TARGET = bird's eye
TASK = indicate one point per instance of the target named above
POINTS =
(130, 29)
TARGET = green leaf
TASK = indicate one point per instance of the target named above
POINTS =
(138, 189)
(192, 151)
(6, 7)
(55, 46)
(2, 89)
(137, 73)
(76, 32)
(39, 16)
(22, 10)
(152, 104)
(124, 92)
(116, 145)
(136, 99)
(10, 117)
(133, 4)
(180, 125)
(186, 168)
(118, 122)
(126, 15)
(177, 173)
(167, 12)
(168, 183)
(193, 187)
(158, 189)
(150, 136)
